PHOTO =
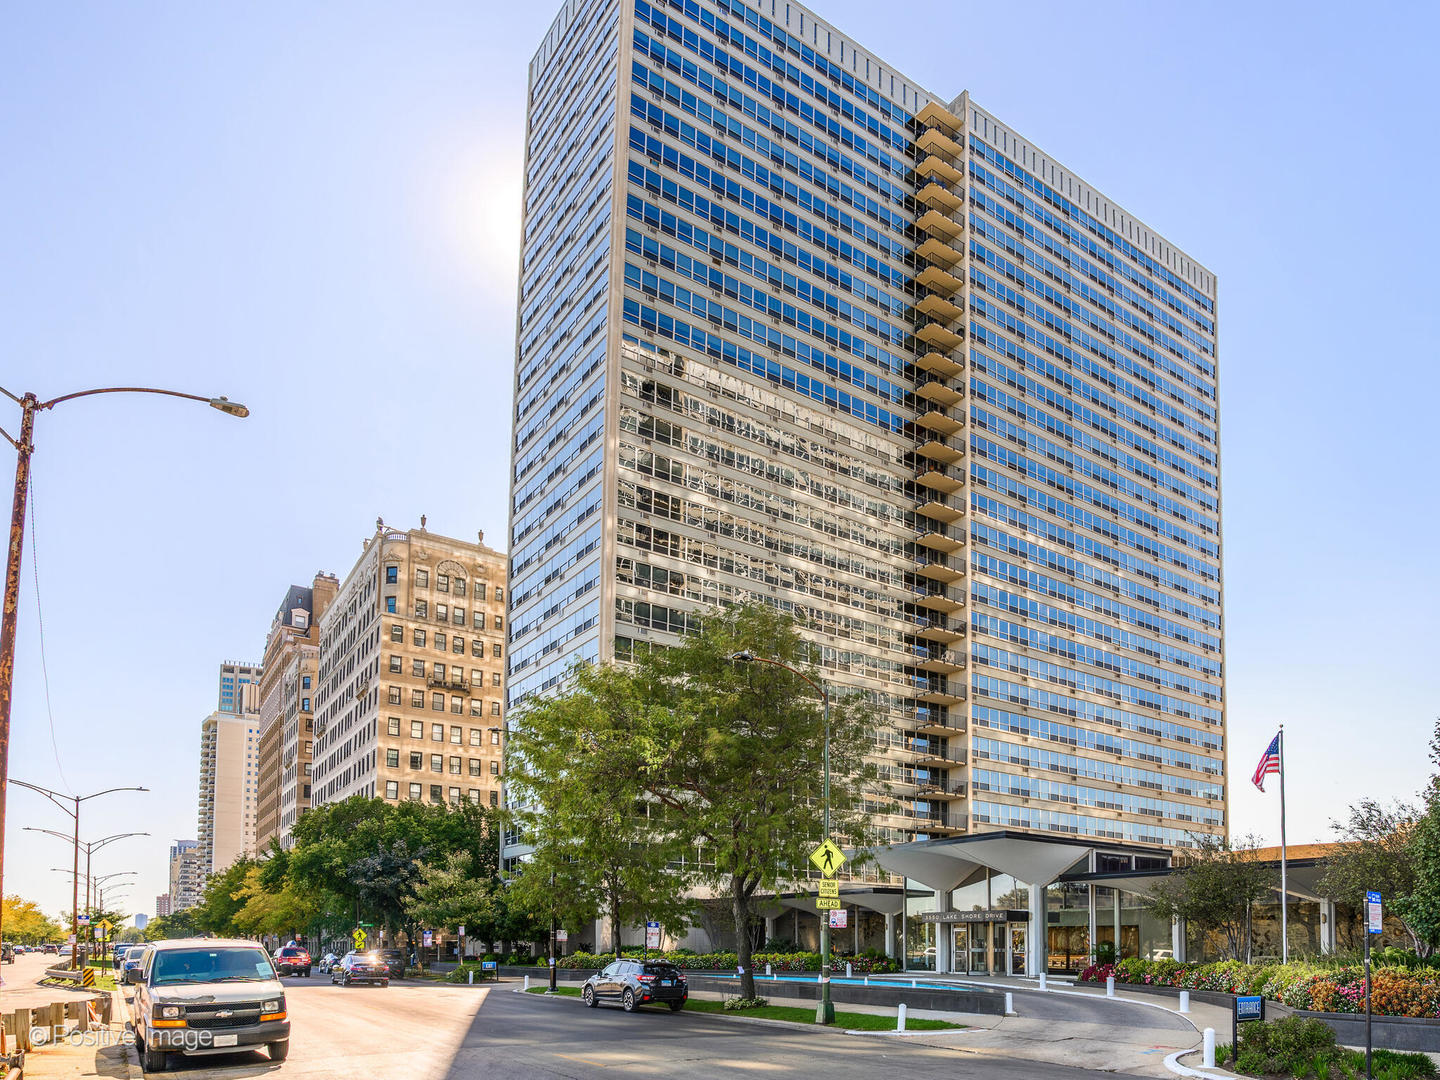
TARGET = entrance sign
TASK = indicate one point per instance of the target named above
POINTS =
(839, 919)
(828, 858)
(1245, 1008)
(992, 915)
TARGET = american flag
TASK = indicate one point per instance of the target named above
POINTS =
(1269, 763)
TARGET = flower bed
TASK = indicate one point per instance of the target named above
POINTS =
(1394, 991)
(726, 961)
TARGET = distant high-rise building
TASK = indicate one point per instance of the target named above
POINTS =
(287, 694)
(229, 762)
(187, 877)
(162, 905)
(142, 920)
(239, 689)
(791, 327)
(409, 684)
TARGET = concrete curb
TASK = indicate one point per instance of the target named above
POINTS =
(1173, 1064)
(793, 1024)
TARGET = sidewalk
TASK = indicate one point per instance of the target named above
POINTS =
(98, 1052)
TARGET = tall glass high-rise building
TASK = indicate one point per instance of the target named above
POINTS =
(793, 327)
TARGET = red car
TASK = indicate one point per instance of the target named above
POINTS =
(292, 960)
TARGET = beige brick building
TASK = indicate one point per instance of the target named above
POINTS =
(410, 683)
(286, 715)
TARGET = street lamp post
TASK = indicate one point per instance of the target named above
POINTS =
(90, 847)
(825, 1012)
(97, 883)
(25, 447)
(61, 800)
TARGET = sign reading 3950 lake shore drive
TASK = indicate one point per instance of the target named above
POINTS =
(988, 915)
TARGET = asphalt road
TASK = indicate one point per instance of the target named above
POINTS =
(441, 1032)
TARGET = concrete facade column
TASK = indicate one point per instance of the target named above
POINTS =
(1093, 924)
(1115, 897)
(769, 928)
(891, 945)
(1327, 926)
(1177, 939)
(943, 960)
(1037, 948)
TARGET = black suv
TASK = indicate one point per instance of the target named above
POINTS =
(394, 960)
(633, 983)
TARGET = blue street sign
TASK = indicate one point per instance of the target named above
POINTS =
(1250, 1008)
(487, 965)
(1374, 919)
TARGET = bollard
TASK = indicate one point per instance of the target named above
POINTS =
(767, 971)
(1042, 980)
(900, 1017)
(848, 972)
(1209, 1061)
(913, 984)
(527, 982)
(1184, 1001)
(1009, 1003)
(472, 976)
(1109, 985)
(867, 980)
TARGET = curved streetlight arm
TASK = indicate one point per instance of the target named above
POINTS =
(96, 845)
(60, 835)
(745, 656)
(224, 404)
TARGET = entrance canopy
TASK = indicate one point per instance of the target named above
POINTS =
(950, 863)
(1302, 878)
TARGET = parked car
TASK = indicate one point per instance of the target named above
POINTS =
(133, 960)
(49, 949)
(327, 963)
(360, 968)
(7, 953)
(633, 983)
(199, 996)
(292, 960)
(20, 950)
(394, 960)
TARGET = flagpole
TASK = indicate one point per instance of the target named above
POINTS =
(1284, 890)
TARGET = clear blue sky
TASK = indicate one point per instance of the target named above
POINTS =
(313, 208)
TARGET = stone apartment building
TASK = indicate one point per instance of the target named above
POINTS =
(286, 693)
(409, 688)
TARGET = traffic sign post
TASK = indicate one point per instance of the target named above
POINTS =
(358, 938)
(1374, 923)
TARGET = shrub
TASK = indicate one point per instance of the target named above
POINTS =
(1283, 1046)
(737, 1004)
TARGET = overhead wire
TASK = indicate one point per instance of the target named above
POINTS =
(40, 622)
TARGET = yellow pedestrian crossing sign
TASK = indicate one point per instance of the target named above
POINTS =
(828, 857)
(358, 937)
(106, 925)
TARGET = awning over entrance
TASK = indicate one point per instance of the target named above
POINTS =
(948, 864)
(1302, 878)
(886, 900)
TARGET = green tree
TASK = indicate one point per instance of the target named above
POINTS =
(1379, 849)
(179, 924)
(1214, 885)
(601, 842)
(687, 751)
(1420, 908)
(222, 899)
